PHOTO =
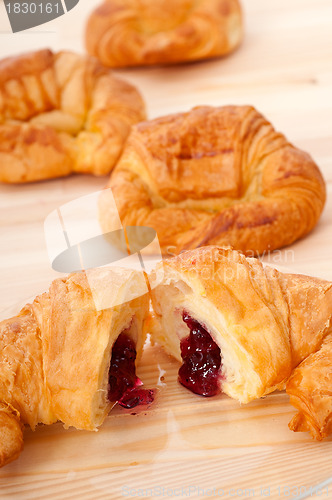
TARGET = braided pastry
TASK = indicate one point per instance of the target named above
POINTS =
(215, 176)
(62, 113)
(143, 32)
(247, 330)
(56, 354)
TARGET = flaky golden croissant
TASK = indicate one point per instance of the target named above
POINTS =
(62, 359)
(144, 32)
(220, 176)
(62, 113)
(246, 330)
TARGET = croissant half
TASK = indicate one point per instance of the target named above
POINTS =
(144, 32)
(270, 330)
(62, 113)
(222, 176)
(55, 358)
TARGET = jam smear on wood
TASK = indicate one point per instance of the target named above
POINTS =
(124, 385)
(200, 371)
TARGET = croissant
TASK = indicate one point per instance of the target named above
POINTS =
(246, 330)
(144, 32)
(62, 113)
(215, 176)
(62, 359)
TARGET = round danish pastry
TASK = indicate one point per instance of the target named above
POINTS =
(144, 32)
(62, 113)
(215, 176)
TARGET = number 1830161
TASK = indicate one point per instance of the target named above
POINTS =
(33, 8)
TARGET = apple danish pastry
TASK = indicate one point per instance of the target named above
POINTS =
(62, 113)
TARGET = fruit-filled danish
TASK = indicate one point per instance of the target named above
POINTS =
(246, 330)
(62, 359)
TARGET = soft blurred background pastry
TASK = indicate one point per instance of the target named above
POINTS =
(146, 32)
(62, 113)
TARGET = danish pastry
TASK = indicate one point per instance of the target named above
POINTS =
(145, 32)
(62, 113)
(246, 330)
(220, 176)
(62, 359)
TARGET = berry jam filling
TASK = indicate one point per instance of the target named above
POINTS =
(123, 382)
(200, 371)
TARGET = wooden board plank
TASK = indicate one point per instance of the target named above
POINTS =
(183, 440)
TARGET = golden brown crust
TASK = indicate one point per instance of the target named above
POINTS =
(55, 356)
(310, 390)
(62, 113)
(220, 176)
(145, 32)
(270, 327)
(11, 437)
(21, 367)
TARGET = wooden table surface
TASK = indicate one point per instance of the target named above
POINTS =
(284, 68)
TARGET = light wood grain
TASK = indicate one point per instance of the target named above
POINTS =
(284, 68)
(183, 441)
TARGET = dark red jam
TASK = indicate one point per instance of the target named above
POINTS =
(124, 385)
(136, 397)
(201, 368)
